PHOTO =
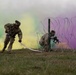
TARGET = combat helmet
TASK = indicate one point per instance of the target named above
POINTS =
(17, 22)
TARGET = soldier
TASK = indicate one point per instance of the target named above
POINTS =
(11, 30)
(44, 40)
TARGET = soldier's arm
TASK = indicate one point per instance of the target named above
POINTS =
(20, 35)
(6, 28)
(56, 39)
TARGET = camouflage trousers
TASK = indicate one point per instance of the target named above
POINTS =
(45, 47)
(8, 40)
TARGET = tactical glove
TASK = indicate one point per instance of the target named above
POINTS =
(55, 39)
(20, 41)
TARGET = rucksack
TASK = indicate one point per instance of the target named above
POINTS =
(8, 27)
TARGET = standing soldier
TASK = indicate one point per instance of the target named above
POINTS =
(11, 30)
(44, 40)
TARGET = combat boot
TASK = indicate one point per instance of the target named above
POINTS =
(2, 50)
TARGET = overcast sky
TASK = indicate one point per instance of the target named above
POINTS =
(38, 7)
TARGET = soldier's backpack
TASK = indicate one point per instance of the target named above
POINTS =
(10, 30)
(8, 27)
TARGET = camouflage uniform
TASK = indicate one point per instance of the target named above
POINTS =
(44, 40)
(11, 30)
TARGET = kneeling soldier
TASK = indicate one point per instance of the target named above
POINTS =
(44, 40)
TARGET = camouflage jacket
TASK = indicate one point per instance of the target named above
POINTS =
(12, 31)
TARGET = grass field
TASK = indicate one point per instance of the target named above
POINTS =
(25, 62)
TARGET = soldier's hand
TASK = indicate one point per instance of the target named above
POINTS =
(20, 41)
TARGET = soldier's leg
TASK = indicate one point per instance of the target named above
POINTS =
(46, 48)
(5, 43)
(11, 44)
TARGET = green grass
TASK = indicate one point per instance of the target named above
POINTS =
(25, 62)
